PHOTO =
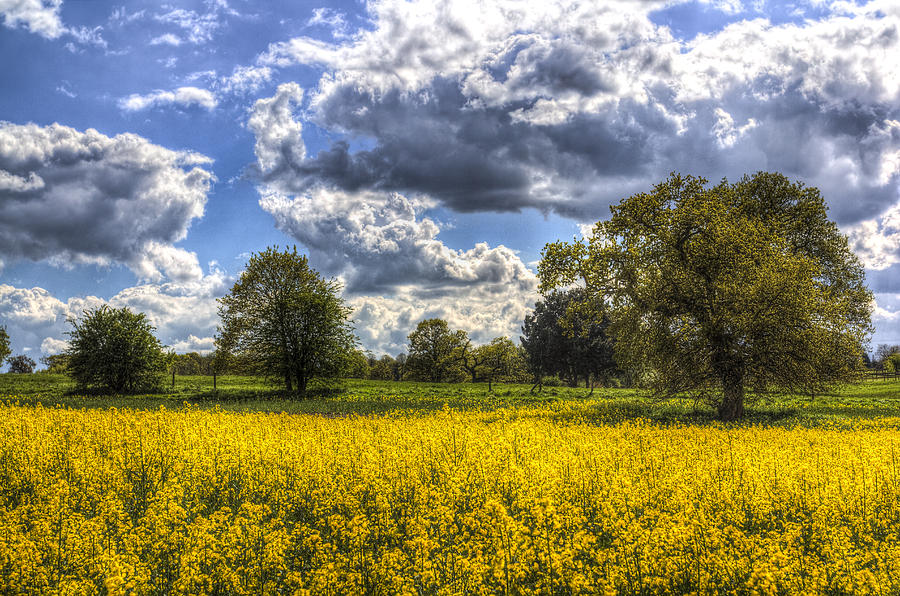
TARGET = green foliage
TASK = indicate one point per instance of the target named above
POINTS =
(383, 369)
(358, 365)
(436, 353)
(21, 364)
(115, 349)
(56, 363)
(566, 335)
(501, 361)
(286, 321)
(4, 345)
(892, 363)
(714, 290)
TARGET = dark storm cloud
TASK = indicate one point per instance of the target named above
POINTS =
(469, 159)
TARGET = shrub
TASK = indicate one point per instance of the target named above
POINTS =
(115, 349)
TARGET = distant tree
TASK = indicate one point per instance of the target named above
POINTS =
(4, 345)
(883, 354)
(435, 352)
(399, 366)
(21, 364)
(115, 349)
(358, 366)
(286, 320)
(500, 361)
(472, 359)
(383, 369)
(716, 290)
(188, 364)
(56, 363)
(562, 337)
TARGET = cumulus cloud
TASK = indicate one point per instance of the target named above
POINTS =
(38, 16)
(184, 97)
(568, 106)
(279, 137)
(184, 313)
(380, 241)
(82, 197)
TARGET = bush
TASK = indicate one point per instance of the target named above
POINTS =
(115, 349)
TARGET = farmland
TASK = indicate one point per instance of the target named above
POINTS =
(444, 489)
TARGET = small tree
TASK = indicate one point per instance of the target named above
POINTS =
(115, 349)
(286, 320)
(500, 361)
(716, 290)
(4, 345)
(21, 364)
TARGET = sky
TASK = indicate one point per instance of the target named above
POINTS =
(420, 151)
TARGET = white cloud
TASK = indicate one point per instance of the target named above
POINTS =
(82, 197)
(566, 105)
(380, 241)
(278, 135)
(877, 241)
(183, 96)
(51, 346)
(184, 313)
(169, 39)
(39, 16)
(246, 79)
(193, 343)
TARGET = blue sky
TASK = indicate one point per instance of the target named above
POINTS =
(421, 151)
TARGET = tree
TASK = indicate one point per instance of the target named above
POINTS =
(716, 290)
(56, 363)
(21, 364)
(286, 320)
(566, 336)
(4, 345)
(435, 352)
(115, 349)
(500, 360)
(358, 365)
(383, 369)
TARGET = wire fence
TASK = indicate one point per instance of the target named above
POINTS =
(883, 374)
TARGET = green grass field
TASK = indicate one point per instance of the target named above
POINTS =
(868, 399)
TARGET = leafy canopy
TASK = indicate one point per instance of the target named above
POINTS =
(435, 352)
(712, 290)
(115, 349)
(286, 321)
(566, 335)
(4, 345)
(21, 364)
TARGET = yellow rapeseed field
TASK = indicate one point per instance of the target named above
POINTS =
(523, 501)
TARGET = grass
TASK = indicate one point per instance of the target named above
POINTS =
(866, 400)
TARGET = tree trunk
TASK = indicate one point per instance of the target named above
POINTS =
(732, 405)
(287, 381)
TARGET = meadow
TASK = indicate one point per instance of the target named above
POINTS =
(402, 488)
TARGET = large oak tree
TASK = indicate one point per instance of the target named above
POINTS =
(716, 290)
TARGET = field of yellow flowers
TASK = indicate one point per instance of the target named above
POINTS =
(536, 499)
